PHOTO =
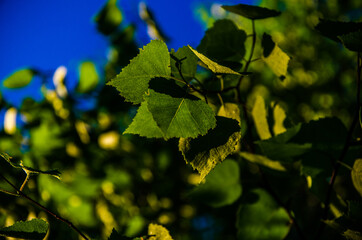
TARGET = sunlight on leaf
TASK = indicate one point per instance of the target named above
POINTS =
(277, 60)
(230, 110)
(259, 114)
(279, 117)
(262, 160)
(19, 79)
(356, 175)
(158, 232)
(188, 63)
(252, 12)
(203, 153)
(153, 61)
(213, 66)
(109, 18)
(88, 77)
(33, 229)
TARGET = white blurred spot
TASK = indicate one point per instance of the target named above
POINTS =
(10, 121)
(58, 80)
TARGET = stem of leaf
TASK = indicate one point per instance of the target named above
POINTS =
(347, 144)
(20, 193)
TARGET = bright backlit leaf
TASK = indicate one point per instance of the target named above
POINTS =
(186, 60)
(352, 40)
(259, 114)
(221, 187)
(19, 79)
(33, 229)
(263, 161)
(224, 42)
(252, 12)
(158, 232)
(109, 18)
(213, 66)
(279, 117)
(356, 174)
(143, 124)
(203, 153)
(178, 117)
(274, 57)
(153, 61)
(260, 217)
(230, 110)
(88, 77)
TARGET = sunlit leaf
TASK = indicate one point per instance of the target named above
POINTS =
(153, 61)
(213, 66)
(19, 79)
(223, 42)
(279, 117)
(176, 113)
(143, 124)
(356, 174)
(158, 232)
(33, 229)
(88, 77)
(260, 217)
(221, 187)
(188, 63)
(352, 40)
(252, 12)
(274, 57)
(259, 114)
(205, 152)
(109, 18)
(263, 161)
(333, 29)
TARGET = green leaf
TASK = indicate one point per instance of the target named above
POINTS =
(352, 40)
(274, 57)
(117, 236)
(263, 161)
(158, 232)
(179, 114)
(88, 77)
(279, 117)
(230, 110)
(33, 229)
(188, 63)
(251, 12)
(333, 29)
(153, 61)
(221, 187)
(259, 115)
(261, 218)
(19, 79)
(203, 153)
(352, 235)
(213, 66)
(109, 18)
(223, 42)
(283, 151)
(356, 175)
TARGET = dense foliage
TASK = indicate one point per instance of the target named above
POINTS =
(266, 111)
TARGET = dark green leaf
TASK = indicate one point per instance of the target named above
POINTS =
(252, 12)
(109, 18)
(88, 77)
(261, 218)
(283, 151)
(116, 236)
(223, 42)
(153, 61)
(33, 229)
(352, 40)
(222, 186)
(263, 161)
(187, 62)
(205, 152)
(213, 66)
(19, 79)
(333, 29)
(356, 174)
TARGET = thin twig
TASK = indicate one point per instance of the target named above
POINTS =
(20, 193)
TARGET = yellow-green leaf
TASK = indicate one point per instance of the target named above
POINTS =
(279, 117)
(213, 66)
(259, 115)
(88, 77)
(19, 79)
(158, 232)
(264, 161)
(274, 57)
(356, 175)
(230, 110)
